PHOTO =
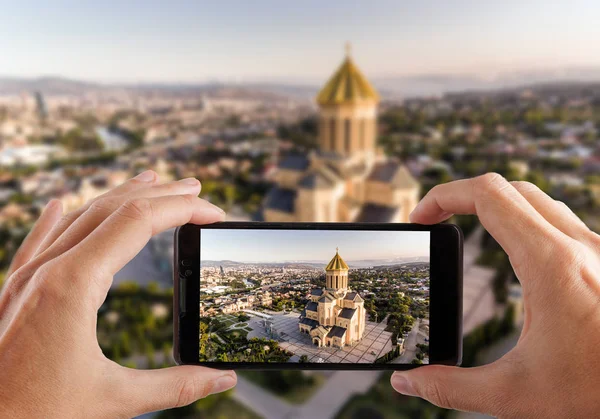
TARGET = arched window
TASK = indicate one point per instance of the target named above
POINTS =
(347, 135)
(332, 134)
(362, 134)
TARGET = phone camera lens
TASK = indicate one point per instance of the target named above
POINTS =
(186, 262)
(188, 272)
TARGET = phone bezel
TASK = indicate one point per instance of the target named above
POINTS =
(446, 261)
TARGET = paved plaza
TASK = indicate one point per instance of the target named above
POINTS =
(375, 343)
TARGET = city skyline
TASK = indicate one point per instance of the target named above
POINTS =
(267, 246)
(263, 41)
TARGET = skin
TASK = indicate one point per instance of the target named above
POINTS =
(51, 363)
(553, 371)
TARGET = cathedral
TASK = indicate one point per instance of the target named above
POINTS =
(335, 315)
(345, 179)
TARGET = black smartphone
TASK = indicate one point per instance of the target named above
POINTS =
(318, 295)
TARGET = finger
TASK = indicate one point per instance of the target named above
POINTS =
(122, 235)
(470, 389)
(141, 181)
(144, 179)
(40, 230)
(150, 390)
(555, 212)
(101, 209)
(502, 210)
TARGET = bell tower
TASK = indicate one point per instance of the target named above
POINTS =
(336, 277)
(348, 112)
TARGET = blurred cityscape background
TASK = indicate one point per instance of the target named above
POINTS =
(93, 93)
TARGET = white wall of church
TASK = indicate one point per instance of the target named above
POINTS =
(348, 129)
(380, 193)
(288, 178)
(278, 216)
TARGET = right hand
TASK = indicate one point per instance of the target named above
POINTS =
(554, 370)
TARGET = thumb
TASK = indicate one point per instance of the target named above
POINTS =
(471, 389)
(150, 390)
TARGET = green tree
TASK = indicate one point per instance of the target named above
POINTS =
(78, 140)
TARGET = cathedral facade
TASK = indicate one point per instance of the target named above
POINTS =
(335, 315)
(346, 179)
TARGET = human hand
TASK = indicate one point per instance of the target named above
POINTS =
(51, 363)
(553, 371)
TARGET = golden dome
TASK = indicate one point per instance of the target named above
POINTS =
(347, 86)
(337, 263)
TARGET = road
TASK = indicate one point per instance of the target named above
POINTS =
(261, 401)
(410, 344)
(324, 404)
(334, 394)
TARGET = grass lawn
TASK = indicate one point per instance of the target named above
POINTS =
(302, 394)
(227, 319)
(236, 333)
(229, 408)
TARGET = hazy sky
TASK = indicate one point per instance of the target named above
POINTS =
(240, 40)
(290, 245)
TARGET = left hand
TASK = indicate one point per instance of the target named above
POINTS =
(50, 361)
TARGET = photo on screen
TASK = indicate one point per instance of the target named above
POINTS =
(314, 296)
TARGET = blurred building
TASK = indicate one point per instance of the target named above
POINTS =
(335, 315)
(346, 179)
(41, 107)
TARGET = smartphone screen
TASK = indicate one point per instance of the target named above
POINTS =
(314, 296)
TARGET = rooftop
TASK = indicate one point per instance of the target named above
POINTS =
(393, 173)
(351, 295)
(372, 213)
(316, 180)
(336, 331)
(281, 199)
(312, 306)
(309, 322)
(347, 86)
(347, 313)
(336, 263)
(294, 162)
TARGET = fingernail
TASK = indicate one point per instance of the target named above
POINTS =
(147, 176)
(402, 385)
(217, 209)
(190, 181)
(412, 215)
(223, 383)
(51, 204)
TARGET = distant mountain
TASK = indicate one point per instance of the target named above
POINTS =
(415, 264)
(312, 264)
(386, 262)
(47, 85)
(390, 87)
(64, 86)
(267, 265)
(439, 84)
